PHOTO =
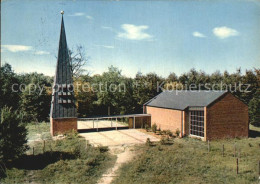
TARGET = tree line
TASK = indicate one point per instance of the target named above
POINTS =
(113, 93)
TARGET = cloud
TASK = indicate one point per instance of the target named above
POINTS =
(106, 46)
(41, 52)
(133, 32)
(77, 14)
(89, 17)
(106, 27)
(198, 34)
(16, 48)
(224, 32)
(80, 14)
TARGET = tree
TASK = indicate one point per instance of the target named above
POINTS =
(78, 60)
(35, 98)
(172, 77)
(8, 96)
(146, 87)
(254, 111)
(111, 91)
(12, 134)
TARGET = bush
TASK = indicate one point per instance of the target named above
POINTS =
(177, 132)
(148, 142)
(154, 128)
(164, 140)
(12, 134)
(169, 133)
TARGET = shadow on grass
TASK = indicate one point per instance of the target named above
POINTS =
(40, 161)
(254, 133)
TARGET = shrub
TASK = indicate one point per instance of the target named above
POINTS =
(148, 142)
(164, 132)
(164, 140)
(12, 134)
(154, 128)
(169, 133)
(177, 132)
(103, 149)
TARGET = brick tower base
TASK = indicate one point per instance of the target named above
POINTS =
(63, 125)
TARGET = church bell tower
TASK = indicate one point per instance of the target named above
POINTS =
(63, 114)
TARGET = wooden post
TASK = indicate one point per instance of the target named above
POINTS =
(223, 148)
(33, 150)
(208, 146)
(237, 165)
(235, 150)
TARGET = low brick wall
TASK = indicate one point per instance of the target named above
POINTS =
(63, 125)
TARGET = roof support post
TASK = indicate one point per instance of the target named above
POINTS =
(134, 122)
(97, 125)
(116, 123)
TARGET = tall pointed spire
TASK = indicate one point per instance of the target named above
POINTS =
(63, 101)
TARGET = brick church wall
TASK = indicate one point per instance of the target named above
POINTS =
(227, 118)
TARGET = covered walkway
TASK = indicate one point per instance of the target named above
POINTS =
(115, 122)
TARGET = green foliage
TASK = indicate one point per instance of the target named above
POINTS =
(148, 142)
(67, 160)
(169, 133)
(254, 111)
(7, 79)
(177, 132)
(35, 101)
(154, 128)
(12, 134)
(35, 104)
(130, 93)
(188, 161)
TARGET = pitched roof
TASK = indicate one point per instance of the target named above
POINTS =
(182, 99)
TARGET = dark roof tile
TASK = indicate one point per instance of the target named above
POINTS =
(182, 99)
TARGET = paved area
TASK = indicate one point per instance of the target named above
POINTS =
(117, 137)
(100, 124)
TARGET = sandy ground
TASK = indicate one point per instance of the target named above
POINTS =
(124, 154)
(121, 143)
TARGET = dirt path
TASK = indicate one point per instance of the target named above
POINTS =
(124, 154)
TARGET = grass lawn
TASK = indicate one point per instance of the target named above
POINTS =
(68, 160)
(188, 161)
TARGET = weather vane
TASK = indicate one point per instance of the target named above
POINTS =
(62, 12)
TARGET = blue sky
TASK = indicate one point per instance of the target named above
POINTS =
(145, 36)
